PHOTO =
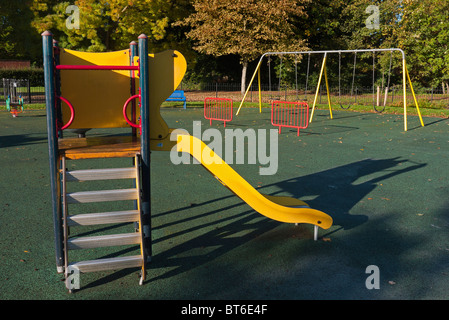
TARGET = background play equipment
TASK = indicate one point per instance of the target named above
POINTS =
(290, 114)
(14, 90)
(14, 107)
(219, 109)
(178, 95)
(405, 77)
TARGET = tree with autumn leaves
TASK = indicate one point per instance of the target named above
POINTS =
(241, 28)
(107, 25)
(246, 28)
(420, 28)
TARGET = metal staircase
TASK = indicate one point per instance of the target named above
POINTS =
(101, 218)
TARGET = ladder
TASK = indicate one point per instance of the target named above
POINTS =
(78, 220)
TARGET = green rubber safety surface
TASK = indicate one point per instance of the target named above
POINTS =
(386, 190)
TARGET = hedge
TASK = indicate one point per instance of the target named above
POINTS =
(35, 75)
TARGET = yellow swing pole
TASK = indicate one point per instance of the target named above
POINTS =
(318, 86)
(414, 97)
(249, 86)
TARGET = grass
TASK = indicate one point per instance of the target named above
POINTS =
(426, 109)
(411, 110)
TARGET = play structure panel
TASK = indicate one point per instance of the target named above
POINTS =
(98, 96)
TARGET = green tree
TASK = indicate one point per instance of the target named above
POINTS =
(420, 28)
(107, 24)
(322, 25)
(424, 35)
(246, 28)
(17, 39)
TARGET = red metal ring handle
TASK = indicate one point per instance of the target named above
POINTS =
(125, 106)
(72, 113)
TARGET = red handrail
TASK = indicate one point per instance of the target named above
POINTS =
(125, 106)
(72, 113)
(94, 67)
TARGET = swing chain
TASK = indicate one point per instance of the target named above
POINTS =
(375, 106)
(339, 84)
(307, 77)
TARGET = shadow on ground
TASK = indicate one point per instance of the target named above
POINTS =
(337, 191)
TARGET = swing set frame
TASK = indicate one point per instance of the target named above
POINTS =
(405, 78)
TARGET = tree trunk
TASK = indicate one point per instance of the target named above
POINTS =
(244, 69)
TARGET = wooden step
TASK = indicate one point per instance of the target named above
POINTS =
(102, 195)
(89, 219)
(99, 147)
(101, 174)
(108, 264)
(104, 241)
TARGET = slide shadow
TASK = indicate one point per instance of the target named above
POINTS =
(337, 190)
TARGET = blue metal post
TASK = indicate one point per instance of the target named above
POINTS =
(145, 143)
(47, 44)
(132, 54)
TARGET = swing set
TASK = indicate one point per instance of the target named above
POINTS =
(323, 71)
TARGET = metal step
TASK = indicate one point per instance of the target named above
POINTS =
(89, 219)
(101, 174)
(102, 195)
(108, 264)
(104, 241)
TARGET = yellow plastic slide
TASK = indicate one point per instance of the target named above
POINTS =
(284, 209)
